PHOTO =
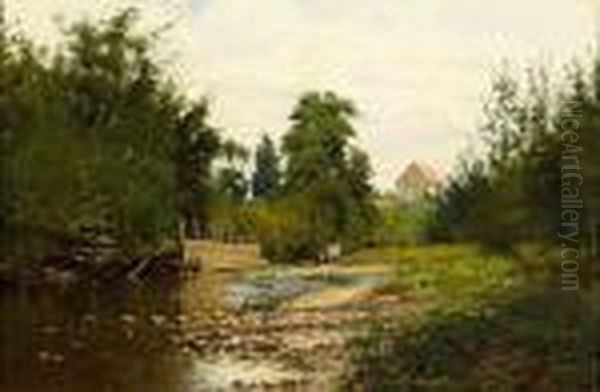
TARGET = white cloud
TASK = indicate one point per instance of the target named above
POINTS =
(417, 68)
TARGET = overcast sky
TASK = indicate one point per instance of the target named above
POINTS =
(417, 69)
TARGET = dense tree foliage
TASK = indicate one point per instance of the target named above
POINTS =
(537, 142)
(232, 183)
(196, 146)
(96, 140)
(326, 191)
(230, 213)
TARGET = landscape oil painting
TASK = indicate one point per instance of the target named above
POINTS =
(299, 195)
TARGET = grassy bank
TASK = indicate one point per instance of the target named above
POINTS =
(486, 325)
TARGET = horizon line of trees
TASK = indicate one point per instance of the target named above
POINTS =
(99, 149)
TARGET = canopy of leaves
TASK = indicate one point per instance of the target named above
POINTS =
(325, 176)
(533, 136)
(95, 137)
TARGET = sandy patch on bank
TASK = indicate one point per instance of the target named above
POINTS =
(339, 296)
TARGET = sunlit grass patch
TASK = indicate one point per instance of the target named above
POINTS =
(444, 275)
(483, 328)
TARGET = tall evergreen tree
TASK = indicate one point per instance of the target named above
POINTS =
(266, 179)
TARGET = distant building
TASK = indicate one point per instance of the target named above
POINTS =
(416, 182)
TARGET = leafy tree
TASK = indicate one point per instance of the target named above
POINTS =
(232, 184)
(231, 180)
(513, 193)
(316, 152)
(363, 213)
(316, 145)
(582, 103)
(454, 215)
(123, 115)
(95, 139)
(325, 177)
(230, 214)
(491, 199)
(197, 145)
(266, 179)
(5, 84)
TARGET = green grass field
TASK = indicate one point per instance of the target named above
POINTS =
(485, 325)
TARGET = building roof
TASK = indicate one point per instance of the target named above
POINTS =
(419, 172)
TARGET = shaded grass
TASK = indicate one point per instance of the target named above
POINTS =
(483, 328)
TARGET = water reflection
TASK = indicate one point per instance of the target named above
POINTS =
(114, 339)
(182, 335)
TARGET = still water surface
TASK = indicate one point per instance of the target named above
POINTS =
(133, 338)
(119, 339)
